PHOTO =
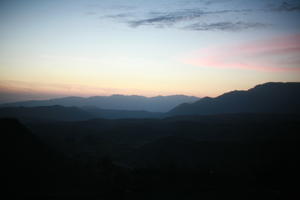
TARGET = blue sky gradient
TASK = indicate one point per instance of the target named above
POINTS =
(64, 47)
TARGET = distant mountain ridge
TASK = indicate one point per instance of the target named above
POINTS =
(45, 113)
(270, 97)
(120, 114)
(114, 102)
(63, 113)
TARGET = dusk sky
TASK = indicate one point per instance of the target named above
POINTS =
(60, 48)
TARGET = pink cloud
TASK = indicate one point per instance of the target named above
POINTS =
(275, 54)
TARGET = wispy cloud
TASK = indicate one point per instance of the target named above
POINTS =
(276, 54)
(168, 19)
(190, 19)
(287, 7)
(171, 18)
(225, 26)
(120, 16)
(207, 15)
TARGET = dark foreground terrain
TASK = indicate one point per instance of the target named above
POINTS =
(240, 156)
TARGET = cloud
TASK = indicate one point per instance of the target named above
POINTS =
(170, 18)
(272, 55)
(206, 15)
(225, 26)
(167, 18)
(120, 16)
(288, 7)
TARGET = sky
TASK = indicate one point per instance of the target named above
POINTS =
(55, 48)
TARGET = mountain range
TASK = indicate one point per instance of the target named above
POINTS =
(114, 102)
(63, 113)
(265, 98)
(268, 98)
(236, 153)
(242, 142)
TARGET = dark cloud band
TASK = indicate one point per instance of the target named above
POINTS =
(225, 26)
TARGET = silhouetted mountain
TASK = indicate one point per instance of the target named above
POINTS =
(252, 153)
(119, 138)
(25, 161)
(210, 156)
(171, 151)
(265, 98)
(43, 113)
(61, 113)
(115, 102)
(244, 153)
(120, 114)
(18, 142)
(30, 168)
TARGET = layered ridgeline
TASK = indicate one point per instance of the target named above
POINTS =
(63, 113)
(269, 98)
(264, 98)
(114, 102)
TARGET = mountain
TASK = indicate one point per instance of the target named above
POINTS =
(180, 152)
(140, 139)
(265, 98)
(120, 114)
(62, 113)
(31, 168)
(25, 159)
(45, 113)
(115, 102)
(244, 152)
